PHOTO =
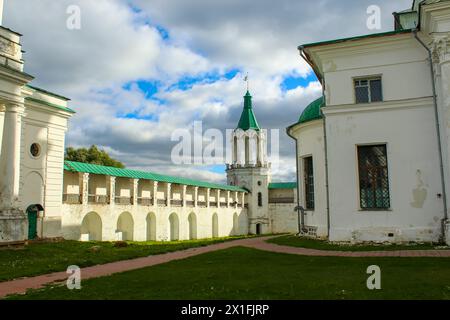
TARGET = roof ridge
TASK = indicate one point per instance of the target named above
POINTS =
(148, 175)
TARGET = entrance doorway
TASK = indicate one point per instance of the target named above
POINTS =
(32, 213)
(258, 229)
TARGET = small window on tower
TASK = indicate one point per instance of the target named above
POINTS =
(260, 202)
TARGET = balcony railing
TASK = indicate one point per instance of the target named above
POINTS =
(124, 200)
(104, 200)
(190, 203)
(98, 199)
(161, 202)
(145, 201)
(282, 200)
(176, 203)
(71, 198)
(201, 204)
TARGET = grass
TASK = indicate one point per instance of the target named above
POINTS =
(244, 273)
(42, 258)
(294, 241)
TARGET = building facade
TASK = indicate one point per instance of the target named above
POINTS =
(373, 152)
(33, 123)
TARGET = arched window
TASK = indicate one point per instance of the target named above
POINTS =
(260, 199)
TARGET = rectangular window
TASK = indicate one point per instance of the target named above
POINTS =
(260, 202)
(368, 90)
(309, 182)
(373, 177)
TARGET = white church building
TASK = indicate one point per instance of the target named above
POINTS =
(373, 153)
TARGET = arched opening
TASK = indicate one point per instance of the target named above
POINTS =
(247, 150)
(235, 150)
(192, 220)
(125, 225)
(174, 227)
(215, 226)
(151, 227)
(91, 227)
(236, 230)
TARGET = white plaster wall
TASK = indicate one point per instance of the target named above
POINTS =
(41, 178)
(284, 218)
(74, 214)
(248, 178)
(402, 65)
(409, 131)
(311, 143)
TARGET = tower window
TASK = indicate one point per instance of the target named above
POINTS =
(368, 90)
(373, 177)
(309, 182)
(260, 202)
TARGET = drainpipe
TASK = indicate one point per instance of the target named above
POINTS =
(326, 173)
(438, 131)
(300, 210)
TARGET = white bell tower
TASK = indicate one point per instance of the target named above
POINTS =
(250, 168)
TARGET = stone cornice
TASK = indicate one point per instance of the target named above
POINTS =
(381, 106)
(322, 56)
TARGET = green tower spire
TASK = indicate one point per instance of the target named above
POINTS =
(248, 119)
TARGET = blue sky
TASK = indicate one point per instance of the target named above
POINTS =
(138, 70)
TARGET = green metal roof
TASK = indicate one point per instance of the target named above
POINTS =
(135, 174)
(48, 104)
(47, 92)
(372, 35)
(283, 185)
(248, 119)
(312, 111)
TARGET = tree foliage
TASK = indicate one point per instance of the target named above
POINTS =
(93, 155)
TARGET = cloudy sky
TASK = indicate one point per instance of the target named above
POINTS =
(139, 69)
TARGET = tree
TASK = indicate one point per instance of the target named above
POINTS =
(92, 155)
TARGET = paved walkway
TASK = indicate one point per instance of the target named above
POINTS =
(21, 285)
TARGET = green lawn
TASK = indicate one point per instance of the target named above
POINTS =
(42, 258)
(294, 241)
(244, 273)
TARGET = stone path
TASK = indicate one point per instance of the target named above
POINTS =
(20, 286)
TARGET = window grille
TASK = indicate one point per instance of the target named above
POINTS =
(309, 182)
(373, 177)
(368, 90)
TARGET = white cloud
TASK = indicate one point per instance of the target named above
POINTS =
(118, 45)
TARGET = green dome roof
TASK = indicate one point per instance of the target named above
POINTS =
(312, 111)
